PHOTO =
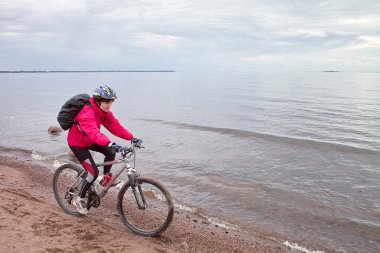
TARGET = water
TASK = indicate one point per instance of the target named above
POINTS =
(294, 155)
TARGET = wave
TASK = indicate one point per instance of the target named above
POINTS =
(295, 246)
(245, 134)
(213, 220)
(27, 154)
(9, 151)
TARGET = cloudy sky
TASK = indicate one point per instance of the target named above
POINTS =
(188, 35)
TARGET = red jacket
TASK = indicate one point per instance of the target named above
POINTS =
(88, 132)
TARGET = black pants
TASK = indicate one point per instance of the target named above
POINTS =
(85, 158)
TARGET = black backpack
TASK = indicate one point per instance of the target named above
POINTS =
(70, 110)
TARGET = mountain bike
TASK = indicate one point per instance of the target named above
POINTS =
(144, 204)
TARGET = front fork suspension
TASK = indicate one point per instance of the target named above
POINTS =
(137, 190)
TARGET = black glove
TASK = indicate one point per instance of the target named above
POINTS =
(137, 142)
(115, 147)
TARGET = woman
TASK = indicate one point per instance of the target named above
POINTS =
(84, 135)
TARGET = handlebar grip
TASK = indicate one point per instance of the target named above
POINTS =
(136, 142)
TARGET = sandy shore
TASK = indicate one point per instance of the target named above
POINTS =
(31, 221)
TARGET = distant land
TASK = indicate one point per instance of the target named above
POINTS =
(78, 71)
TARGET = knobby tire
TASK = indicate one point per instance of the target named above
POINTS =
(64, 176)
(158, 214)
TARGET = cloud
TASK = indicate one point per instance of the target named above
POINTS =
(187, 34)
(157, 40)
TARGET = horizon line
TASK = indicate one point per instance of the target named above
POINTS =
(79, 71)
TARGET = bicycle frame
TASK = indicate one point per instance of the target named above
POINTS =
(131, 171)
(126, 166)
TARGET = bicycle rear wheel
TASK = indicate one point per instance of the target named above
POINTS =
(157, 215)
(67, 181)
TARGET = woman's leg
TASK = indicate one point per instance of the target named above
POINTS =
(85, 158)
(109, 155)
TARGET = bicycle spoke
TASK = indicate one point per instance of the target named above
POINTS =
(155, 217)
(66, 185)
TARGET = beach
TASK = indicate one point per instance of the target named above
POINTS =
(291, 157)
(31, 221)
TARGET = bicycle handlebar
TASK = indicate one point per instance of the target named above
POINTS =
(136, 142)
(137, 145)
(127, 150)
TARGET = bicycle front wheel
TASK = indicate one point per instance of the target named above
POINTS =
(157, 214)
(67, 181)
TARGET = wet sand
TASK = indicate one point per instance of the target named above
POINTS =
(32, 221)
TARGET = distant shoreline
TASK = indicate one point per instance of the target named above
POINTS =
(79, 71)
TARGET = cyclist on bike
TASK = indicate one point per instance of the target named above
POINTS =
(85, 135)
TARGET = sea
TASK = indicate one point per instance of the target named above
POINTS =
(292, 156)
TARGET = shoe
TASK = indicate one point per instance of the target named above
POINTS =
(81, 205)
(117, 181)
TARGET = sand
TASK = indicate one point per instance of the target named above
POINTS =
(32, 221)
